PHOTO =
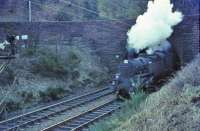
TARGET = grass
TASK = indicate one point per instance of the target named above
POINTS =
(52, 93)
(50, 65)
(29, 51)
(12, 105)
(130, 107)
(175, 107)
(9, 105)
(27, 96)
(98, 78)
(45, 76)
(77, 67)
(22, 98)
(7, 76)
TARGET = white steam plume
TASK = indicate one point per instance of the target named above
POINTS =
(154, 26)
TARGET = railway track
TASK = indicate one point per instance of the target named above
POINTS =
(81, 121)
(43, 114)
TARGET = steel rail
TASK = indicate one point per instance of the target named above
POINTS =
(85, 125)
(67, 125)
(89, 97)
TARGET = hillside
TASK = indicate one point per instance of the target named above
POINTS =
(42, 77)
(176, 107)
(65, 10)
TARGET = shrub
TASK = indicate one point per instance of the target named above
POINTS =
(87, 81)
(98, 78)
(52, 93)
(73, 60)
(122, 9)
(50, 65)
(30, 51)
(75, 75)
(7, 76)
(27, 96)
(62, 16)
(76, 84)
(43, 96)
(12, 105)
(8, 106)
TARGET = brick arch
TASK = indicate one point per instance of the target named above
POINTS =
(188, 7)
(185, 38)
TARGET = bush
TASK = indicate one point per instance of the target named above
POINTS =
(12, 105)
(27, 96)
(73, 60)
(52, 94)
(75, 75)
(87, 81)
(76, 84)
(7, 77)
(121, 9)
(62, 16)
(50, 65)
(30, 51)
(98, 78)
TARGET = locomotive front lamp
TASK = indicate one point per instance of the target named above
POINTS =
(117, 76)
(125, 61)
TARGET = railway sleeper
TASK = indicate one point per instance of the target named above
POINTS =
(88, 117)
(84, 129)
(110, 109)
(69, 126)
(93, 115)
(63, 113)
(85, 119)
(20, 121)
(73, 124)
(8, 125)
(81, 121)
(63, 107)
(101, 111)
(62, 129)
(3, 128)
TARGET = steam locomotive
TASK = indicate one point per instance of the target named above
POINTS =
(142, 69)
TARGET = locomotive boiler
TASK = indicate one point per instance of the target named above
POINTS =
(142, 69)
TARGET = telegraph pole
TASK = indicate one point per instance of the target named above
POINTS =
(30, 11)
